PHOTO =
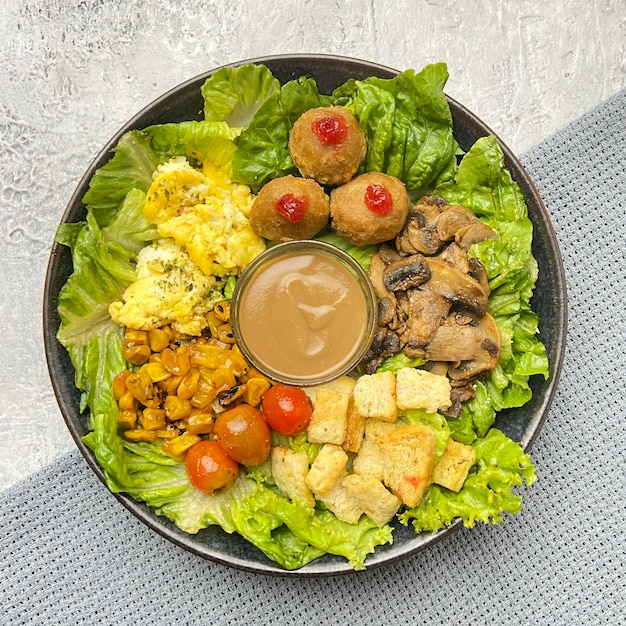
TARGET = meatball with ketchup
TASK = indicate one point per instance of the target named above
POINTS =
(326, 144)
(289, 208)
(371, 208)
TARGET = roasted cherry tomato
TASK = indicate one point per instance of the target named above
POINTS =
(209, 468)
(244, 434)
(287, 409)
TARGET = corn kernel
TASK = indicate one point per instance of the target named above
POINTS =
(255, 388)
(119, 384)
(177, 446)
(159, 339)
(140, 435)
(127, 419)
(128, 402)
(152, 419)
(204, 355)
(176, 408)
(155, 371)
(140, 385)
(169, 386)
(137, 355)
(188, 385)
(200, 424)
(223, 378)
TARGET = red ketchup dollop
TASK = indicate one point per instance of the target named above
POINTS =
(292, 208)
(378, 199)
(330, 130)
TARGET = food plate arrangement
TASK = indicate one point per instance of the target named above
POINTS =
(234, 124)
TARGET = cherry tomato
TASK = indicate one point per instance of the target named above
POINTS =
(287, 409)
(244, 434)
(209, 468)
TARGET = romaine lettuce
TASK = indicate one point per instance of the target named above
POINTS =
(234, 94)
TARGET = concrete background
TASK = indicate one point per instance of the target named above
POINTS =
(73, 71)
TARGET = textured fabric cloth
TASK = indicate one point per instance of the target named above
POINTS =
(70, 554)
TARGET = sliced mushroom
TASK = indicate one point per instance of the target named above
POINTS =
(376, 269)
(456, 256)
(452, 219)
(419, 234)
(459, 395)
(471, 348)
(455, 285)
(427, 311)
(474, 233)
(408, 272)
(478, 272)
(386, 343)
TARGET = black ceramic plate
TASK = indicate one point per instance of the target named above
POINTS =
(185, 103)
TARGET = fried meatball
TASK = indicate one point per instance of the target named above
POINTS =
(326, 144)
(289, 208)
(371, 208)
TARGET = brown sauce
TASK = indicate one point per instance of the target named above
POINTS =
(303, 315)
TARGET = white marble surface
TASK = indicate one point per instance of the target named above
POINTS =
(73, 71)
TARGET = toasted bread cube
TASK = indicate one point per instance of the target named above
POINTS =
(341, 503)
(329, 464)
(289, 469)
(419, 389)
(375, 396)
(409, 453)
(355, 428)
(376, 501)
(345, 384)
(370, 460)
(374, 428)
(329, 419)
(454, 465)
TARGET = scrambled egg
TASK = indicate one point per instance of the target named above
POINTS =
(170, 289)
(202, 217)
(206, 213)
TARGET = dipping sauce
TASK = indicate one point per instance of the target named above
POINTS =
(304, 312)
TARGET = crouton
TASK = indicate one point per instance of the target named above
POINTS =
(419, 389)
(329, 463)
(377, 503)
(375, 396)
(409, 453)
(375, 428)
(370, 460)
(329, 419)
(355, 428)
(454, 465)
(290, 469)
(341, 503)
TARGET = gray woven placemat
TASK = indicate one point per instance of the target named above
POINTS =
(70, 554)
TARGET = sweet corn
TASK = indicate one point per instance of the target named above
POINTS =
(188, 385)
(200, 424)
(156, 371)
(233, 361)
(228, 396)
(127, 419)
(168, 433)
(140, 385)
(136, 355)
(119, 384)
(140, 435)
(254, 390)
(176, 408)
(159, 338)
(177, 446)
(128, 402)
(169, 386)
(223, 378)
(177, 362)
(152, 419)
(204, 355)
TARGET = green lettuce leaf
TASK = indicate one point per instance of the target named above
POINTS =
(102, 271)
(234, 94)
(408, 124)
(483, 184)
(139, 152)
(361, 254)
(262, 153)
(488, 492)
